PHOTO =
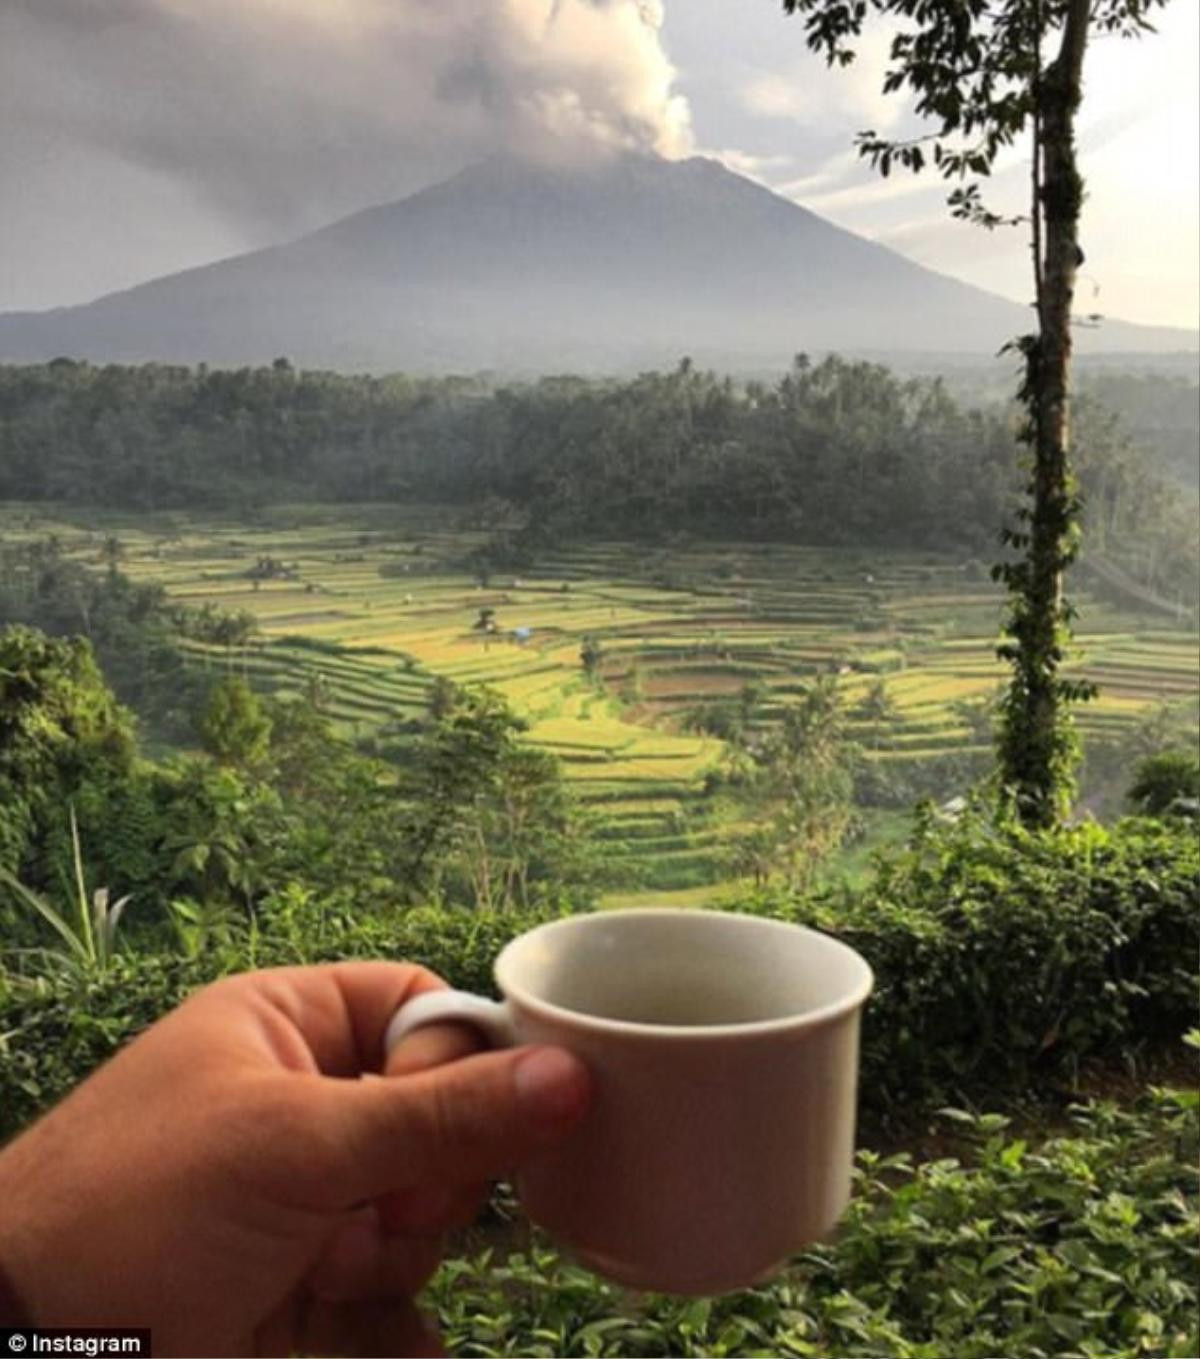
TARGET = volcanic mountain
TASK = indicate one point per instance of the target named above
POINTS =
(521, 267)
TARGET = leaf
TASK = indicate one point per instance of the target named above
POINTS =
(100, 916)
(957, 1115)
(114, 918)
(600, 1328)
(1076, 1254)
(48, 913)
(87, 935)
(694, 1317)
(998, 1258)
(1013, 1154)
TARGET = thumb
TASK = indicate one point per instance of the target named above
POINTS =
(457, 1124)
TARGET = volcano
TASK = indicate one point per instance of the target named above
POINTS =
(520, 267)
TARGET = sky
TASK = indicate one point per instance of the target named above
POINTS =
(145, 136)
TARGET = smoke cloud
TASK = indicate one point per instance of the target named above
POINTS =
(286, 113)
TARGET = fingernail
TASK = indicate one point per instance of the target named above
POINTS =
(551, 1085)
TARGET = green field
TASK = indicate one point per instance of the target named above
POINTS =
(377, 603)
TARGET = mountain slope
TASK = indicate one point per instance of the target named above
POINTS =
(514, 266)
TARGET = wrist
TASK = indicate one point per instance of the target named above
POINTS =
(21, 1227)
(12, 1309)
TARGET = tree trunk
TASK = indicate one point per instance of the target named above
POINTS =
(1037, 754)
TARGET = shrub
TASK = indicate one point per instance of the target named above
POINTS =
(1083, 1246)
(1004, 958)
(55, 1029)
(61, 730)
(1166, 782)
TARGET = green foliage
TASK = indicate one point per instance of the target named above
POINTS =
(1108, 761)
(60, 730)
(487, 816)
(877, 704)
(220, 833)
(475, 815)
(131, 628)
(1159, 408)
(797, 784)
(976, 72)
(839, 451)
(1083, 1245)
(1038, 744)
(590, 655)
(903, 782)
(1005, 958)
(58, 1025)
(89, 931)
(442, 698)
(233, 727)
(1166, 782)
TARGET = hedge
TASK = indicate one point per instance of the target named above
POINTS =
(1003, 959)
(1082, 1246)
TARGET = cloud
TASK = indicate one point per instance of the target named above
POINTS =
(763, 168)
(808, 92)
(288, 112)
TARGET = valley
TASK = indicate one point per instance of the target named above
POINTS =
(365, 608)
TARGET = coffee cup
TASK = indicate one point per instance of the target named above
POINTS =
(723, 1051)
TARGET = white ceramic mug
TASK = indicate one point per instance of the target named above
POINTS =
(724, 1056)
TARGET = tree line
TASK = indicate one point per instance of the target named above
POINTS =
(833, 452)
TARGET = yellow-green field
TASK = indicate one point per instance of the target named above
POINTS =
(377, 603)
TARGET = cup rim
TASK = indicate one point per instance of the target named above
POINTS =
(853, 1000)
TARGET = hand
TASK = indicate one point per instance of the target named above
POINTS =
(228, 1181)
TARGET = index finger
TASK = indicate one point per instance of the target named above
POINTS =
(432, 1045)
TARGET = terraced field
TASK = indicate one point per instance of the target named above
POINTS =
(373, 603)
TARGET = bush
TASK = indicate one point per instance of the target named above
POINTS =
(55, 1029)
(1004, 958)
(1166, 782)
(1083, 1246)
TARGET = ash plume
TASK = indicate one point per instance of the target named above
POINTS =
(285, 113)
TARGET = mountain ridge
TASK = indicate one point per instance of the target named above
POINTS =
(517, 266)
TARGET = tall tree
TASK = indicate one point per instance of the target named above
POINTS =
(233, 727)
(976, 69)
(797, 787)
(480, 805)
(61, 731)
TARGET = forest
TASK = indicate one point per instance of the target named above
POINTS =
(832, 452)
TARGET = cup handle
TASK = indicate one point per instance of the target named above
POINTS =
(491, 1018)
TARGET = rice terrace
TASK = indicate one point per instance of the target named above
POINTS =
(367, 607)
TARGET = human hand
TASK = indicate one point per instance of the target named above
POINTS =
(228, 1181)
